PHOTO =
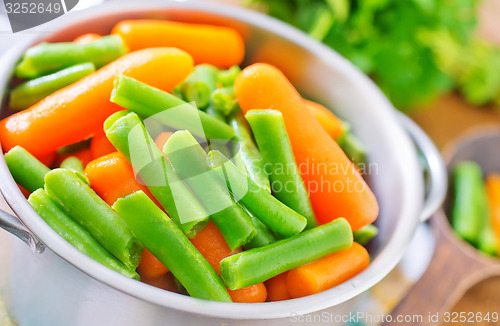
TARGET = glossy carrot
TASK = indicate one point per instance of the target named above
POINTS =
(216, 45)
(100, 145)
(336, 188)
(87, 38)
(328, 120)
(150, 267)
(78, 111)
(493, 191)
(211, 244)
(277, 289)
(327, 272)
(162, 138)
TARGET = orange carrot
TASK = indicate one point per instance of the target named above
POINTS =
(100, 145)
(336, 188)
(165, 282)
(211, 244)
(112, 177)
(327, 272)
(220, 46)
(493, 191)
(48, 159)
(150, 267)
(78, 111)
(87, 38)
(162, 138)
(277, 289)
(328, 120)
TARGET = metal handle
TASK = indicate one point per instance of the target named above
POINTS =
(433, 167)
(12, 225)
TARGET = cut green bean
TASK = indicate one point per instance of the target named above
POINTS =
(262, 238)
(353, 148)
(286, 182)
(466, 214)
(224, 100)
(190, 161)
(365, 234)
(46, 58)
(273, 213)
(260, 264)
(33, 91)
(127, 133)
(60, 222)
(199, 86)
(227, 77)
(163, 238)
(72, 163)
(214, 113)
(167, 109)
(26, 169)
(82, 204)
(246, 155)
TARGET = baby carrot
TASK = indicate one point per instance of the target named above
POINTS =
(327, 272)
(329, 121)
(493, 191)
(216, 45)
(277, 289)
(150, 267)
(87, 38)
(26, 169)
(100, 145)
(336, 188)
(211, 244)
(78, 111)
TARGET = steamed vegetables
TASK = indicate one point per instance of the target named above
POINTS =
(158, 174)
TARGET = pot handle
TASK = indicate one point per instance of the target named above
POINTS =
(15, 227)
(433, 167)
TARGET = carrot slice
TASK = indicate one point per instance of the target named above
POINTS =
(327, 272)
(216, 45)
(78, 111)
(328, 120)
(150, 267)
(100, 145)
(493, 191)
(277, 289)
(336, 188)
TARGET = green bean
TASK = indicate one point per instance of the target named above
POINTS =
(82, 204)
(199, 86)
(227, 77)
(260, 264)
(286, 182)
(190, 161)
(269, 210)
(167, 109)
(33, 91)
(262, 238)
(466, 215)
(214, 113)
(163, 238)
(26, 169)
(353, 148)
(60, 222)
(72, 163)
(365, 234)
(126, 132)
(246, 155)
(46, 58)
(224, 100)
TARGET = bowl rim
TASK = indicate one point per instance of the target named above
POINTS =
(378, 269)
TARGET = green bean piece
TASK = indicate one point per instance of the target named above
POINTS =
(47, 58)
(60, 222)
(224, 100)
(365, 234)
(353, 148)
(33, 91)
(269, 210)
(72, 163)
(262, 238)
(167, 109)
(199, 86)
(190, 161)
(82, 204)
(286, 182)
(488, 242)
(227, 77)
(214, 113)
(127, 133)
(163, 238)
(260, 264)
(246, 155)
(26, 169)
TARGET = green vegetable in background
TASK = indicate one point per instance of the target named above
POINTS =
(415, 50)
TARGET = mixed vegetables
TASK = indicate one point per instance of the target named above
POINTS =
(475, 212)
(200, 179)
